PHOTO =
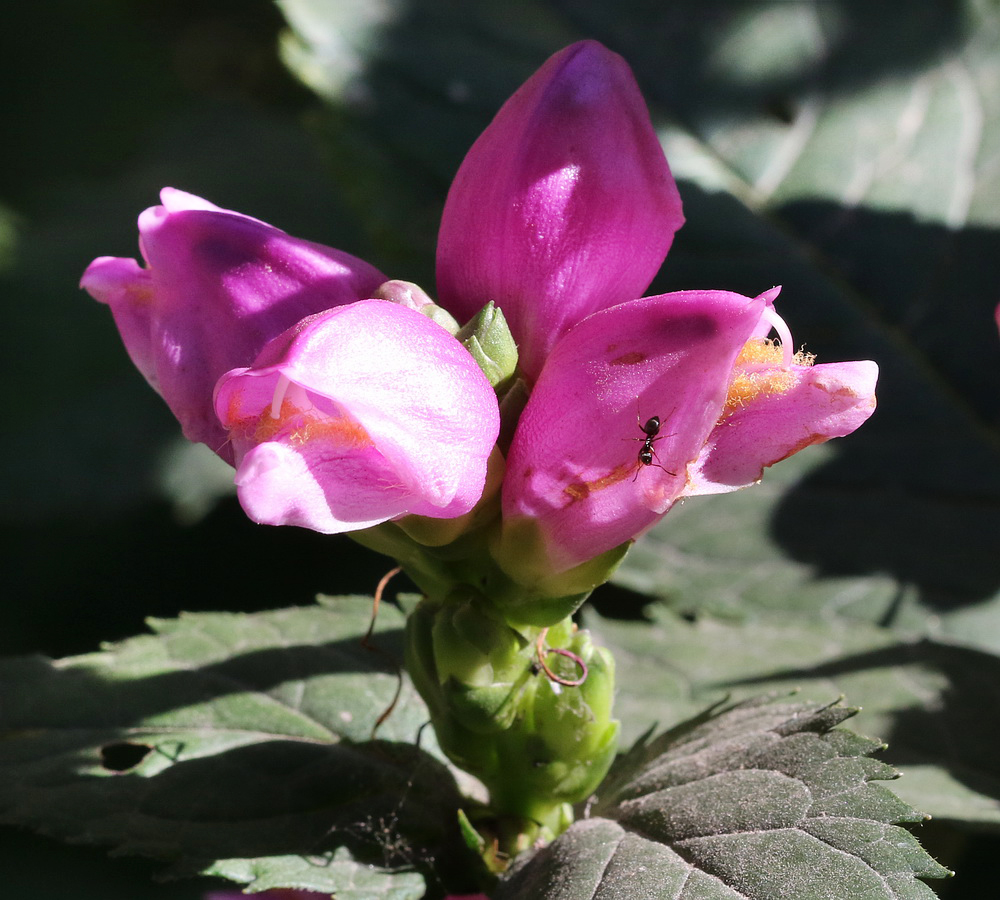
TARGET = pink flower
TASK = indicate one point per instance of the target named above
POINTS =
(589, 471)
(564, 205)
(357, 415)
(561, 213)
(217, 287)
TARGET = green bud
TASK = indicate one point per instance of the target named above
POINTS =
(526, 711)
(577, 721)
(512, 403)
(469, 664)
(487, 337)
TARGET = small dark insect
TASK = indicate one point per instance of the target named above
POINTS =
(651, 430)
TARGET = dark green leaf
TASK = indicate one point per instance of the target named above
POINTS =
(919, 695)
(238, 745)
(766, 800)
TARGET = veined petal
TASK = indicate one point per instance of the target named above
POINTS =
(804, 405)
(364, 399)
(563, 206)
(219, 285)
(574, 464)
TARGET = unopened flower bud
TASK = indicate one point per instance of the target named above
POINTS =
(412, 296)
(487, 337)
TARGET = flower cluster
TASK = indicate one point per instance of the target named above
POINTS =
(343, 406)
(507, 443)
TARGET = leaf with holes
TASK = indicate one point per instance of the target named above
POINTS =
(765, 799)
(237, 745)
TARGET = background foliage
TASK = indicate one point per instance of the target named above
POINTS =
(849, 151)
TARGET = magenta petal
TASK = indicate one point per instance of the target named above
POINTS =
(380, 413)
(574, 463)
(219, 285)
(824, 402)
(323, 486)
(127, 288)
(563, 206)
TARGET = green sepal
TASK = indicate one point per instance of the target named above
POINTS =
(487, 337)
(537, 594)
(573, 740)
(481, 663)
(525, 710)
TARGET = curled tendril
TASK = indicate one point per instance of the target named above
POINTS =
(544, 651)
(367, 643)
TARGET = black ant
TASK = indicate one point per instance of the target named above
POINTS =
(647, 454)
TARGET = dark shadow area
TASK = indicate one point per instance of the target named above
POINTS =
(841, 46)
(392, 804)
(110, 703)
(612, 601)
(916, 492)
(960, 733)
(47, 869)
(145, 564)
(94, 79)
(972, 857)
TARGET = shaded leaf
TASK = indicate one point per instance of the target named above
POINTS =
(765, 800)
(237, 745)
(919, 695)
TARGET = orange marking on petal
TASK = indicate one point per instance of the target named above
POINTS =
(580, 490)
(140, 293)
(297, 427)
(628, 359)
(344, 432)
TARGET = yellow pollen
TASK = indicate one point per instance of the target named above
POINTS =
(759, 371)
(344, 432)
(299, 427)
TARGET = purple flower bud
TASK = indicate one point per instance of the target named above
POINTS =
(563, 206)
